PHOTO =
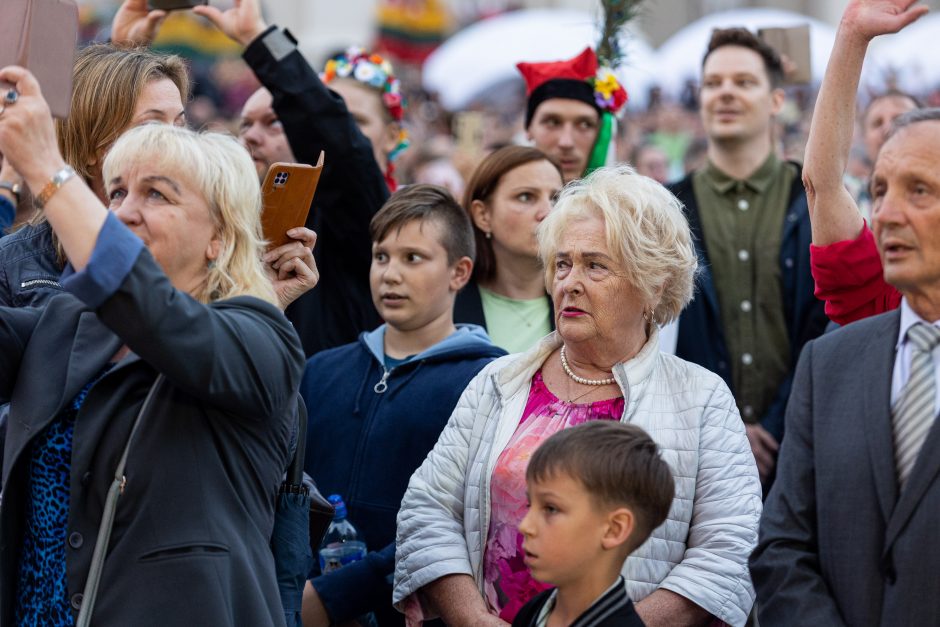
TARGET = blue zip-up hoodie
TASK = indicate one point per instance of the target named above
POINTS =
(369, 430)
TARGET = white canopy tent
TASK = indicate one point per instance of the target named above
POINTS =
(483, 56)
(679, 58)
(907, 57)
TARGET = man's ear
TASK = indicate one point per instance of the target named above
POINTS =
(620, 526)
(480, 214)
(460, 274)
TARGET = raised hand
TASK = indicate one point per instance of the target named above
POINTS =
(870, 18)
(243, 22)
(134, 25)
(291, 267)
(27, 133)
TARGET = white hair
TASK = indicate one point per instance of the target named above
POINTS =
(646, 231)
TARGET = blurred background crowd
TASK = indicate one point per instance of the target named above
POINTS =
(456, 63)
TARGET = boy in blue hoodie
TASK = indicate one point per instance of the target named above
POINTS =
(377, 406)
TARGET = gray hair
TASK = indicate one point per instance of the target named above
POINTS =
(646, 232)
(930, 114)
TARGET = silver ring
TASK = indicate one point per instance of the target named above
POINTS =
(11, 96)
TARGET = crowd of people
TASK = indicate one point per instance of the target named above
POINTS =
(606, 378)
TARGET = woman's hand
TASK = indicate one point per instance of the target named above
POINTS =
(243, 22)
(134, 25)
(292, 268)
(27, 133)
(9, 175)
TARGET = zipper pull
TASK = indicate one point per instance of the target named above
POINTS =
(381, 386)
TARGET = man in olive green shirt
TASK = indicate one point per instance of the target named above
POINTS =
(754, 307)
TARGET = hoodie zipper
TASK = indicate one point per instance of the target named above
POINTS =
(33, 282)
(381, 386)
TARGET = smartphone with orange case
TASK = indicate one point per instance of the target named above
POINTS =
(286, 195)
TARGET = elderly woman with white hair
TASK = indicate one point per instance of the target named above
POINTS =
(619, 261)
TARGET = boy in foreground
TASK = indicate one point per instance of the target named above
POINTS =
(596, 492)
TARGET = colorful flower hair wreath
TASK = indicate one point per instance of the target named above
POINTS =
(375, 71)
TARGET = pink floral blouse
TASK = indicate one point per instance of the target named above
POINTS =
(507, 583)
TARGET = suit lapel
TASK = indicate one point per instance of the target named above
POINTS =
(877, 412)
(93, 347)
(922, 476)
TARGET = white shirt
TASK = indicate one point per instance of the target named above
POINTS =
(902, 359)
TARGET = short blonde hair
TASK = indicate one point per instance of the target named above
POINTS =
(222, 171)
(647, 233)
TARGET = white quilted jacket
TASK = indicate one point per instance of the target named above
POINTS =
(701, 550)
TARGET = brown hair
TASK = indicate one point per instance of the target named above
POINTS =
(483, 183)
(107, 82)
(618, 464)
(425, 203)
(891, 93)
(744, 38)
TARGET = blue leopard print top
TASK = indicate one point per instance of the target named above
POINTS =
(41, 593)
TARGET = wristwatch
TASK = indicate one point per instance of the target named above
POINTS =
(13, 188)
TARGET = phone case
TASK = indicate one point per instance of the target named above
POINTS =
(170, 5)
(286, 195)
(41, 35)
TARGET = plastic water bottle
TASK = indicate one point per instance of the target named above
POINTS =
(341, 544)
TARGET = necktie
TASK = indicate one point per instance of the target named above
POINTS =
(913, 414)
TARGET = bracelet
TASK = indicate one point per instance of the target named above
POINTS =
(13, 188)
(58, 180)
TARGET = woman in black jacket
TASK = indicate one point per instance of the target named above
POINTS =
(169, 282)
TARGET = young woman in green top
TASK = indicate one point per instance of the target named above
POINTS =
(507, 197)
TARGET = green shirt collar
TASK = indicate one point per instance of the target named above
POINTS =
(759, 181)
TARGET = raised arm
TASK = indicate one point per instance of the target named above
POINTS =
(239, 354)
(27, 139)
(833, 211)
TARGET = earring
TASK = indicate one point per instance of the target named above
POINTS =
(489, 235)
(650, 316)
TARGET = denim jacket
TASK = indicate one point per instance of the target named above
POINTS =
(29, 267)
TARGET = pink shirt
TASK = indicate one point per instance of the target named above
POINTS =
(507, 583)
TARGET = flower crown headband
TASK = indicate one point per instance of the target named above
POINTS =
(375, 71)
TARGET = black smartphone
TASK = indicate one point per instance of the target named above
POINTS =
(170, 5)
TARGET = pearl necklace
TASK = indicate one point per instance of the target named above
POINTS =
(582, 380)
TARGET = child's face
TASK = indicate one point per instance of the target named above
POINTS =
(562, 530)
(411, 281)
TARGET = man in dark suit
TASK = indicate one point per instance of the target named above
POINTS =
(850, 533)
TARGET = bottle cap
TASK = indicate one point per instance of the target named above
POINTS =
(337, 502)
